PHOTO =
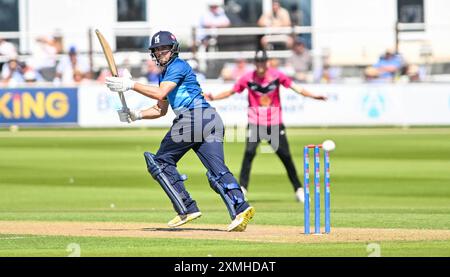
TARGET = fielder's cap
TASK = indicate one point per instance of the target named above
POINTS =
(261, 56)
(162, 38)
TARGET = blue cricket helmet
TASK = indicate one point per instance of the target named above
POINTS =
(164, 38)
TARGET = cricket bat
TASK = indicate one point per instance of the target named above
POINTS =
(112, 66)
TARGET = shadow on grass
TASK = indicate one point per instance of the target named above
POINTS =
(182, 229)
(162, 230)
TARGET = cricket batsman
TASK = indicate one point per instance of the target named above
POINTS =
(197, 126)
(264, 116)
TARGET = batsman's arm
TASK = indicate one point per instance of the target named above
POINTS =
(302, 91)
(158, 93)
(159, 110)
(222, 95)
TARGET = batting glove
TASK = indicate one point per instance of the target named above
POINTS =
(135, 115)
(119, 84)
(124, 115)
(128, 116)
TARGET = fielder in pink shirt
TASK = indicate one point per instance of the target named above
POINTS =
(265, 121)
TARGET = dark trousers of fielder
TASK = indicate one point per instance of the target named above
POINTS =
(276, 136)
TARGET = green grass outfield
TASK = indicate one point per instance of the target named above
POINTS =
(381, 178)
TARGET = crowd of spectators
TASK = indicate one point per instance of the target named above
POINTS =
(48, 64)
(52, 62)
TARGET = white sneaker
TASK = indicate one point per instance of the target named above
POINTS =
(300, 195)
(244, 191)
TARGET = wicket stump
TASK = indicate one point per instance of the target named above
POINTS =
(316, 188)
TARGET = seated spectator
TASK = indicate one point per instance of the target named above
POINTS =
(328, 74)
(300, 62)
(68, 65)
(47, 50)
(414, 73)
(32, 76)
(232, 72)
(15, 73)
(79, 77)
(7, 49)
(12, 73)
(371, 73)
(214, 18)
(277, 17)
(387, 67)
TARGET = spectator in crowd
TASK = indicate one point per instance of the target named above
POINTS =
(300, 62)
(277, 17)
(235, 71)
(31, 76)
(15, 72)
(79, 77)
(327, 74)
(414, 73)
(214, 18)
(55, 42)
(69, 64)
(12, 72)
(45, 54)
(386, 69)
(7, 49)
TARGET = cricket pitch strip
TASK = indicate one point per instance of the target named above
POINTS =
(255, 233)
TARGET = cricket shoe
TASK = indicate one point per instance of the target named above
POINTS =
(183, 219)
(240, 222)
(300, 195)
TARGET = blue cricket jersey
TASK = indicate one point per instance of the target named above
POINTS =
(187, 94)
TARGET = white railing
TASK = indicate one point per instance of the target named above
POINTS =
(245, 31)
(218, 55)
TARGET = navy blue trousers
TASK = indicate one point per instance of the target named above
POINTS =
(201, 130)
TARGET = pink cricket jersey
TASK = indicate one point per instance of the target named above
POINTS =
(263, 96)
